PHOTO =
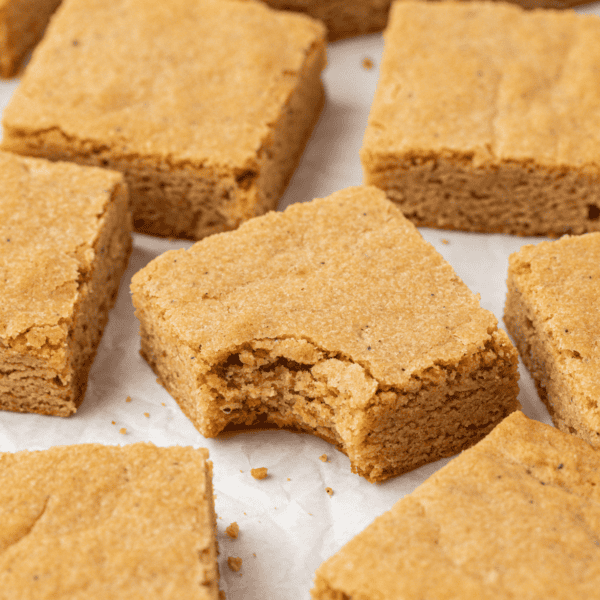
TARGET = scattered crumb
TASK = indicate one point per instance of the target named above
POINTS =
(233, 530)
(128, 399)
(329, 491)
(245, 514)
(235, 563)
(259, 473)
(289, 479)
(163, 403)
(323, 457)
(241, 471)
(147, 415)
(367, 63)
(123, 430)
(254, 554)
(444, 241)
(114, 422)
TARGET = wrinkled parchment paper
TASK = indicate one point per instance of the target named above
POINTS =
(288, 523)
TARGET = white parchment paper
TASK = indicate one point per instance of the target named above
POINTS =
(288, 523)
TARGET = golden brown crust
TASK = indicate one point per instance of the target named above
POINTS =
(334, 317)
(551, 312)
(107, 522)
(516, 516)
(475, 124)
(205, 108)
(22, 23)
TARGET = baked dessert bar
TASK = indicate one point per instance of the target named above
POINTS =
(22, 23)
(517, 516)
(64, 244)
(204, 105)
(94, 521)
(487, 118)
(336, 318)
(553, 315)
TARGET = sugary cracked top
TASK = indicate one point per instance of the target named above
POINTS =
(560, 281)
(516, 516)
(49, 218)
(197, 81)
(347, 273)
(489, 79)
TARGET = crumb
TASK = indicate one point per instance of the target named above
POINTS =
(123, 430)
(163, 403)
(444, 241)
(147, 415)
(254, 554)
(235, 563)
(329, 491)
(241, 471)
(233, 530)
(114, 422)
(323, 457)
(289, 479)
(245, 514)
(367, 63)
(259, 473)
(128, 399)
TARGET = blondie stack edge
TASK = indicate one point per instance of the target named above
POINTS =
(22, 23)
(336, 318)
(516, 516)
(204, 105)
(552, 314)
(487, 118)
(64, 244)
(92, 521)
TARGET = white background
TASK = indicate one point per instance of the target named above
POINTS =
(288, 523)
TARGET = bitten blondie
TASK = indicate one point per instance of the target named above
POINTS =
(553, 314)
(22, 23)
(517, 516)
(334, 317)
(487, 118)
(64, 244)
(93, 521)
(204, 105)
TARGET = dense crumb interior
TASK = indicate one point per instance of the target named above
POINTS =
(384, 430)
(513, 197)
(572, 411)
(53, 379)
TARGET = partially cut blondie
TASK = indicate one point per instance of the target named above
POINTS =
(334, 317)
(553, 314)
(204, 105)
(487, 118)
(517, 516)
(93, 521)
(64, 244)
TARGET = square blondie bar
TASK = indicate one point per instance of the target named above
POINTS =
(553, 314)
(204, 105)
(487, 118)
(22, 23)
(64, 244)
(92, 521)
(336, 318)
(516, 516)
